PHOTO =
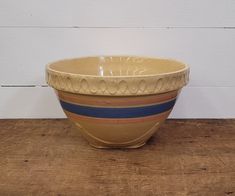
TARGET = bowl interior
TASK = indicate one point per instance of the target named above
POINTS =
(117, 66)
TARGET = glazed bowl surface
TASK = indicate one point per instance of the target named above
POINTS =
(117, 101)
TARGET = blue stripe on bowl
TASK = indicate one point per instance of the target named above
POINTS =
(133, 112)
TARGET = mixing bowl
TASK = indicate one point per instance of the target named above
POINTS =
(117, 101)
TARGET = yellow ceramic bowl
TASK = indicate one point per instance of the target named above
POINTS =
(117, 101)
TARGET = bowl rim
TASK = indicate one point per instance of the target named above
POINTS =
(87, 84)
(186, 66)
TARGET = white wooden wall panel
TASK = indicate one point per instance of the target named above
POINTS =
(200, 33)
(36, 102)
(118, 13)
(205, 102)
(209, 52)
(29, 102)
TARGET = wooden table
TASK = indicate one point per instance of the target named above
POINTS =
(50, 157)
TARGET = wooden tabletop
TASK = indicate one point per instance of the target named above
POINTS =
(50, 157)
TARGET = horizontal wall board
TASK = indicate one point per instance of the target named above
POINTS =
(29, 102)
(41, 102)
(25, 52)
(205, 102)
(121, 13)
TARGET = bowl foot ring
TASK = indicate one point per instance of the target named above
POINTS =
(110, 147)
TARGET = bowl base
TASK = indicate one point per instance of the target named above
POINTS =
(116, 141)
(103, 146)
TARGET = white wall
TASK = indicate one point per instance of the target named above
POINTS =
(200, 33)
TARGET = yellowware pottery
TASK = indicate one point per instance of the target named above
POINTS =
(117, 101)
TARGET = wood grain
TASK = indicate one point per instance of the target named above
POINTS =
(185, 157)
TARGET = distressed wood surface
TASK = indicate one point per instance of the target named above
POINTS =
(185, 157)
